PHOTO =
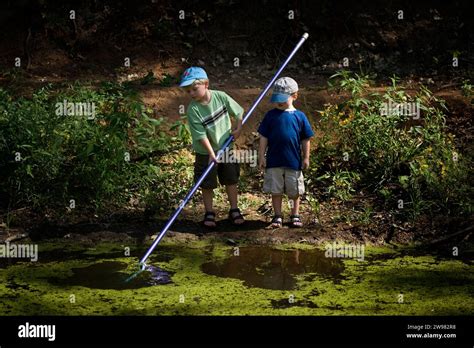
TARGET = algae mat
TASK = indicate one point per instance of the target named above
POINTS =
(211, 278)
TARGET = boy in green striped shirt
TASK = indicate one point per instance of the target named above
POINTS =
(210, 123)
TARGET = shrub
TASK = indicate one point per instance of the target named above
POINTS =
(48, 158)
(408, 159)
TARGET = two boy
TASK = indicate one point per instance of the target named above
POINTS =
(284, 133)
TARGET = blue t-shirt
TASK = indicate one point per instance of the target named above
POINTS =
(285, 130)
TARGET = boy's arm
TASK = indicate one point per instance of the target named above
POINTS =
(212, 156)
(198, 133)
(237, 112)
(305, 144)
(238, 129)
(306, 133)
(261, 152)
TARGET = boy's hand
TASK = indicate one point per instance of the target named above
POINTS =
(236, 132)
(212, 158)
(305, 163)
(262, 163)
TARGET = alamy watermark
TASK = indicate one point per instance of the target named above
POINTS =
(337, 250)
(21, 251)
(411, 109)
(239, 156)
(28, 330)
(76, 109)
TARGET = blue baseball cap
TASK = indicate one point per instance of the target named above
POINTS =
(282, 89)
(192, 74)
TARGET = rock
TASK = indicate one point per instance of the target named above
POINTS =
(16, 237)
(231, 241)
(182, 237)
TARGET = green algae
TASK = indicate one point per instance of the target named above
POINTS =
(388, 282)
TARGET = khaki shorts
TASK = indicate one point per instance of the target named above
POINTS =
(228, 173)
(283, 180)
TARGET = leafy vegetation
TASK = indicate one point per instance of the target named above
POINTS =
(395, 145)
(52, 159)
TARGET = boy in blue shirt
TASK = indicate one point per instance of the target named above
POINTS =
(285, 133)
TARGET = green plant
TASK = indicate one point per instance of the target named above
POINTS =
(148, 78)
(466, 88)
(347, 81)
(50, 157)
(340, 184)
(394, 144)
(168, 80)
(365, 215)
(183, 134)
(314, 204)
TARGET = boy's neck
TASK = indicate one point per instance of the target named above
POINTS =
(288, 107)
(207, 98)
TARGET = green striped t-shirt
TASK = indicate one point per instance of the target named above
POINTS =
(212, 120)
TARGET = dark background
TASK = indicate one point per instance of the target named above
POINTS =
(258, 32)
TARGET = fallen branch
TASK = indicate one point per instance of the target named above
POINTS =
(400, 228)
(16, 237)
(452, 235)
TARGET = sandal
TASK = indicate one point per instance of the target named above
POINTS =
(233, 217)
(295, 221)
(277, 222)
(209, 216)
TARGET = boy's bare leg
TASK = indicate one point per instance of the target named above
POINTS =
(295, 210)
(295, 207)
(276, 202)
(207, 196)
(232, 195)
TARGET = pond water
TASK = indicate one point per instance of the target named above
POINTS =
(215, 279)
(111, 275)
(269, 268)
